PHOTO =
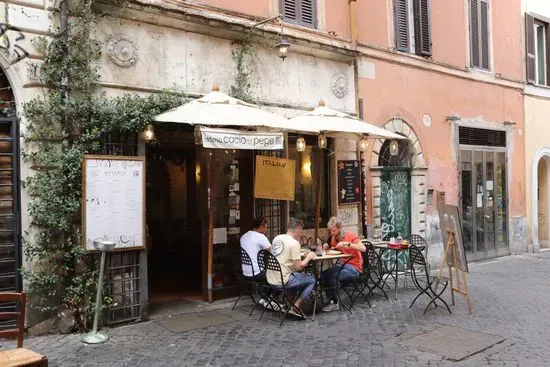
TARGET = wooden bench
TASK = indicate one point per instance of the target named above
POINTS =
(18, 356)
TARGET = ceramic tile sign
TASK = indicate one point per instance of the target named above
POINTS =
(275, 178)
(113, 202)
(349, 188)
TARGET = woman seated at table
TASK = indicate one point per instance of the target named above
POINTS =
(346, 242)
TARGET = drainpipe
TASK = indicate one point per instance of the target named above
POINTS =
(64, 25)
(353, 22)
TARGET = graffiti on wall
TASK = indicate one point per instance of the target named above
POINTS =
(14, 47)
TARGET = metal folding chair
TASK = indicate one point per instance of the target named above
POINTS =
(372, 272)
(268, 262)
(422, 280)
(251, 285)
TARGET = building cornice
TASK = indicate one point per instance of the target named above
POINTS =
(199, 18)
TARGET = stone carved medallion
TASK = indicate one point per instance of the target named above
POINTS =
(122, 51)
(339, 85)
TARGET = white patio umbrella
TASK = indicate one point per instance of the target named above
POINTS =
(337, 124)
(333, 123)
(219, 109)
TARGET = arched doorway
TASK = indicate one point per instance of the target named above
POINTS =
(395, 188)
(543, 210)
(410, 161)
(540, 199)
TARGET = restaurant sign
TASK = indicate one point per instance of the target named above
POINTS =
(349, 188)
(236, 139)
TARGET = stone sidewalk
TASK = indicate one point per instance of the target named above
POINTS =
(510, 298)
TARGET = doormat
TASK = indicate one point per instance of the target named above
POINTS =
(199, 320)
(452, 342)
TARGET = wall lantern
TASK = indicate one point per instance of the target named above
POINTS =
(394, 148)
(282, 48)
(300, 144)
(148, 133)
(363, 143)
(322, 141)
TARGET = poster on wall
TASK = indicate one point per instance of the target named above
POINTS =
(113, 201)
(274, 178)
(349, 188)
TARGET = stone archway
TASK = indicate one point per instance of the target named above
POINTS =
(418, 178)
(542, 156)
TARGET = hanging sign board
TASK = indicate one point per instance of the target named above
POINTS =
(113, 201)
(275, 178)
(236, 139)
(349, 189)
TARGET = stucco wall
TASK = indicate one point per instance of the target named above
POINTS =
(411, 93)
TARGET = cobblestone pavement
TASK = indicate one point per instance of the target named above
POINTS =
(511, 298)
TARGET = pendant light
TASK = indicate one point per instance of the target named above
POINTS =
(322, 141)
(300, 144)
(394, 148)
(149, 133)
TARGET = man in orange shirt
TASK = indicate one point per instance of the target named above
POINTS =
(348, 243)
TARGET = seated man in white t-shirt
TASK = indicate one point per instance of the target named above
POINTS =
(252, 242)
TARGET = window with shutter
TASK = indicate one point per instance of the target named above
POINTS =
(401, 23)
(537, 39)
(300, 12)
(479, 34)
(412, 26)
(422, 29)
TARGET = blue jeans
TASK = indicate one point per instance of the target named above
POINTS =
(306, 282)
(328, 277)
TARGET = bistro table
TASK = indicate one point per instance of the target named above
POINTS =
(383, 247)
(329, 257)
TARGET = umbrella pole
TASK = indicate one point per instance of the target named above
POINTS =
(318, 194)
(211, 195)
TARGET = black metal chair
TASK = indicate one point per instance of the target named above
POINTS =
(422, 280)
(372, 272)
(251, 285)
(418, 241)
(268, 262)
(351, 287)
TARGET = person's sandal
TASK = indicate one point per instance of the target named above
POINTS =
(296, 314)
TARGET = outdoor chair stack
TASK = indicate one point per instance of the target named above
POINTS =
(18, 356)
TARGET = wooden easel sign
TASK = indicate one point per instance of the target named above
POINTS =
(454, 257)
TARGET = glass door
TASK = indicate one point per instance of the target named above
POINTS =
(483, 203)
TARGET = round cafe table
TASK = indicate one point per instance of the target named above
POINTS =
(320, 263)
(382, 246)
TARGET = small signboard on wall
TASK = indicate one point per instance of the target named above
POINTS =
(113, 201)
(275, 178)
(349, 188)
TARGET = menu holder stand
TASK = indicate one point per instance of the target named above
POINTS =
(450, 261)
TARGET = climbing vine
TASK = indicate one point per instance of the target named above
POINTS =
(70, 119)
(244, 57)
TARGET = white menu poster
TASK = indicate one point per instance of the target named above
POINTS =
(113, 206)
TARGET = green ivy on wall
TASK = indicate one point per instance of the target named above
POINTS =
(60, 128)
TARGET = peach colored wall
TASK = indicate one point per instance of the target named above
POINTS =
(259, 8)
(373, 23)
(411, 93)
(338, 17)
(449, 32)
(507, 34)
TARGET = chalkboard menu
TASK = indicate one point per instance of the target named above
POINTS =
(349, 188)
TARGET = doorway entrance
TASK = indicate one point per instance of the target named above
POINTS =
(483, 196)
(174, 243)
(395, 188)
(543, 170)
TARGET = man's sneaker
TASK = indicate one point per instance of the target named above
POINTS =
(274, 306)
(263, 303)
(332, 306)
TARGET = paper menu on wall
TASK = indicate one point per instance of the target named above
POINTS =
(219, 235)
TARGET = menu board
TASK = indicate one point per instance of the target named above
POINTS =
(113, 201)
(349, 188)
(275, 178)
